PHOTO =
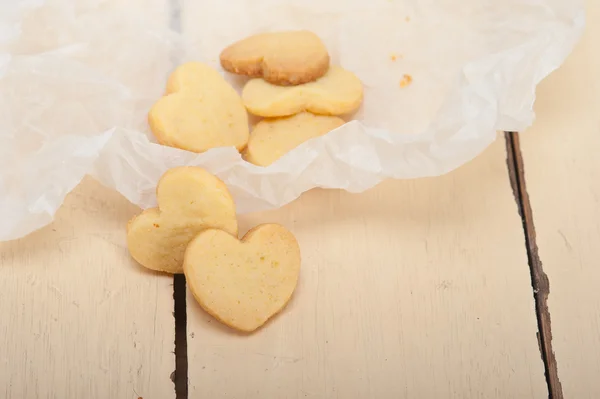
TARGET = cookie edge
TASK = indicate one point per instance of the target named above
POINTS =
(187, 272)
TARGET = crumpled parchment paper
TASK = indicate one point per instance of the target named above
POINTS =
(77, 80)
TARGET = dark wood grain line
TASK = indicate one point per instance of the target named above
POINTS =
(180, 375)
(539, 279)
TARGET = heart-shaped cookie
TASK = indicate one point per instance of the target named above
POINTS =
(189, 200)
(243, 283)
(200, 111)
(282, 58)
(272, 138)
(338, 92)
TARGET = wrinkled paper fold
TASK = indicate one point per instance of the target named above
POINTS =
(77, 80)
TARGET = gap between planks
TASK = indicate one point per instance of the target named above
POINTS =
(180, 375)
(539, 282)
(539, 279)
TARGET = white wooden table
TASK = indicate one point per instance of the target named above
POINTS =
(454, 293)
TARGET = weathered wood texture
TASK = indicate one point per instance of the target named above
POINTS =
(415, 289)
(79, 318)
(562, 178)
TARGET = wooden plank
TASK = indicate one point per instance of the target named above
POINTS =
(79, 318)
(561, 174)
(539, 279)
(415, 289)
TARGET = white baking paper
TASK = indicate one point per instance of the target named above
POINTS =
(78, 77)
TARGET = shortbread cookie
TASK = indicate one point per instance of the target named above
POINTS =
(243, 283)
(189, 200)
(282, 58)
(200, 111)
(193, 76)
(338, 92)
(272, 138)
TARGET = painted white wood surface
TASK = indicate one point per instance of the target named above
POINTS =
(79, 318)
(562, 173)
(415, 289)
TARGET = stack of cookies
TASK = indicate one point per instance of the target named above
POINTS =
(294, 88)
(194, 229)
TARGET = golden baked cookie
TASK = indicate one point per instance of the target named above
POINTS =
(192, 76)
(282, 58)
(338, 92)
(243, 283)
(189, 200)
(272, 138)
(200, 111)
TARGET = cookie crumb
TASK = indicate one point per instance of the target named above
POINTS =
(406, 80)
(156, 225)
(407, 19)
(393, 57)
